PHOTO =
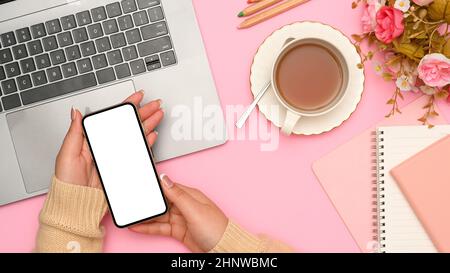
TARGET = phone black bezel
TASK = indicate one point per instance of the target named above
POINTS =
(149, 154)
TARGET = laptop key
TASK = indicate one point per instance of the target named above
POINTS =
(137, 67)
(140, 18)
(2, 74)
(53, 26)
(129, 6)
(68, 22)
(73, 53)
(84, 18)
(11, 102)
(95, 31)
(118, 40)
(9, 87)
(103, 44)
(143, 4)
(84, 65)
(154, 30)
(38, 31)
(69, 70)
(122, 71)
(35, 47)
(50, 43)
(125, 22)
(80, 35)
(27, 65)
(110, 27)
(58, 89)
(23, 35)
(152, 62)
(8, 39)
(87, 49)
(129, 53)
(99, 61)
(98, 14)
(133, 36)
(106, 75)
(24, 82)
(5, 56)
(155, 14)
(57, 57)
(65, 39)
(54, 74)
(12, 69)
(113, 10)
(168, 58)
(1, 109)
(154, 46)
(42, 61)
(114, 57)
(20, 51)
(39, 78)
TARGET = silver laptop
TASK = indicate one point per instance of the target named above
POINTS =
(55, 54)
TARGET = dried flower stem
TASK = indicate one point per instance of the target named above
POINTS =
(394, 102)
(423, 21)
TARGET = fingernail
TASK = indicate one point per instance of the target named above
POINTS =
(160, 103)
(166, 180)
(72, 113)
(142, 92)
(156, 132)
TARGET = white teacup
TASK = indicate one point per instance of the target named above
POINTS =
(295, 113)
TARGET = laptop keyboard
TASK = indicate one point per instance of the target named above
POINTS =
(83, 50)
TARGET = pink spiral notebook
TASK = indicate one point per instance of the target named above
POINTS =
(348, 177)
(425, 181)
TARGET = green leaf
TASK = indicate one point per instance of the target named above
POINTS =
(440, 10)
(411, 50)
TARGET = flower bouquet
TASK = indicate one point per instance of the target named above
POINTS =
(413, 39)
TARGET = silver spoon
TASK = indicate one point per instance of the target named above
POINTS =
(252, 106)
(258, 97)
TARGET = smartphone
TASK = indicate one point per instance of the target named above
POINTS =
(125, 165)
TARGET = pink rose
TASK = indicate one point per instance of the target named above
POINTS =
(448, 98)
(389, 24)
(369, 13)
(443, 29)
(423, 2)
(434, 70)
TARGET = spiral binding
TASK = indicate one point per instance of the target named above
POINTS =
(378, 181)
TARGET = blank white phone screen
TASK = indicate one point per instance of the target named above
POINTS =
(124, 164)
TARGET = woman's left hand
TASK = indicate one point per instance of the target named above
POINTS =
(74, 163)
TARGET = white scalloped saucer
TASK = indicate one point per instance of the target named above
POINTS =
(262, 67)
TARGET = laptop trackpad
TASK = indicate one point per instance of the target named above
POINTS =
(38, 132)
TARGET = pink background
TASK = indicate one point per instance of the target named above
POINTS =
(267, 192)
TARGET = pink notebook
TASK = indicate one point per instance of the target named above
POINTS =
(347, 176)
(425, 181)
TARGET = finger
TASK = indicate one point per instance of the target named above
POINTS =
(149, 109)
(187, 205)
(163, 229)
(151, 138)
(73, 142)
(135, 98)
(153, 121)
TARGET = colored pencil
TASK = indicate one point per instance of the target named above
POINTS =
(253, 1)
(257, 7)
(283, 7)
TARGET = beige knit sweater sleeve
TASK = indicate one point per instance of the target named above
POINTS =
(70, 219)
(71, 216)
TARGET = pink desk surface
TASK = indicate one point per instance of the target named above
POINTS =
(267, 192)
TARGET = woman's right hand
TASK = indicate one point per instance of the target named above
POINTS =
(192, 219)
